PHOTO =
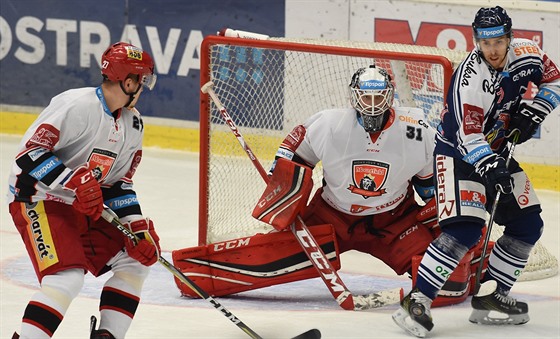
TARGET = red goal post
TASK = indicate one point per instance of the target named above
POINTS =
(269, 87)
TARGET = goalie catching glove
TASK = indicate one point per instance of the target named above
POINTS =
(146, 250)
(286, 194)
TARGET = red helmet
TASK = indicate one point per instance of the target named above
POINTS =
(122, 59)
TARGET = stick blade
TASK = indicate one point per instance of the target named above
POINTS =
(378, 299)
(311, 334)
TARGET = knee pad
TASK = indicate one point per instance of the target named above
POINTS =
(466, 233)
(63, 286)
(527, 228)
(129, 271)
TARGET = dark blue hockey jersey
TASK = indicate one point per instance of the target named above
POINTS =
(481, 100)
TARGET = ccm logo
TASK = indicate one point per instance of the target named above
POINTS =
(321, 262)
(408, 232)
(270, 196)
(227, 245)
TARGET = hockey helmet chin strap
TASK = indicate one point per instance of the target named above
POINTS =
(131, 95)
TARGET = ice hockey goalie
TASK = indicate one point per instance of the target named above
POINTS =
(263, 260)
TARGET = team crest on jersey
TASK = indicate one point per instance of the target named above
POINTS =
(369, 178)
(100, 161)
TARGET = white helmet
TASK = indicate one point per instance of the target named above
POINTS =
(371, 94)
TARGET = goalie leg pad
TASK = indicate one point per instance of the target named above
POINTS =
(250, 263)
(286, 194)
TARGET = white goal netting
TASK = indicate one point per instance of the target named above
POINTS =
(270, 86)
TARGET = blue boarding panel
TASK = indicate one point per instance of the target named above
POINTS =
(49, 47)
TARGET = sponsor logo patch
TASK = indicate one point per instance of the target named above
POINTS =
(40, 235)
(472, 199)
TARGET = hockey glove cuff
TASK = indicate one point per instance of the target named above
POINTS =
(146, 250)
(526, 120)
(89, 198)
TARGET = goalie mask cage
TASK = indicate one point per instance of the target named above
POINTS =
(270, 86)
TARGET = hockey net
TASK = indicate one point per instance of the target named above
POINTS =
(270, 86)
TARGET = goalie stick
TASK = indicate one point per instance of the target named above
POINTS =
(491, 220)
(112, 218)
(315, 254)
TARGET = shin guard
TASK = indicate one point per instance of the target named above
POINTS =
(456, 288)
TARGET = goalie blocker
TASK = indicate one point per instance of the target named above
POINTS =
(285, 195)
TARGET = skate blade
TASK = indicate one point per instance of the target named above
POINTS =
(402, 318)
(483, 317)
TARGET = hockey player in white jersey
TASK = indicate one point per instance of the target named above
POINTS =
(484, 109)
(373, 156)
(79, 154)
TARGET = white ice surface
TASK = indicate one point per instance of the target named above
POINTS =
(167, 185)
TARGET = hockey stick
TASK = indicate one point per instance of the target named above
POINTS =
(315, 254)
(112, 218)
(491, 220)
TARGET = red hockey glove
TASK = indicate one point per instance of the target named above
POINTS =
(428, 216)
(89, 198)
(147, 250)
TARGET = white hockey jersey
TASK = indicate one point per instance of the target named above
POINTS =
(364, 176)
(74, 129)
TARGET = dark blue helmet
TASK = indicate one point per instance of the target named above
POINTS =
(491, 23)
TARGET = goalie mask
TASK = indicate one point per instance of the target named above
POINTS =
(371, 94)
(491, 23)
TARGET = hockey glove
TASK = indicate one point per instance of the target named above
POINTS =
(89, 198)
(146, 250)
(526, 121)
(428, 217)
(495, 176)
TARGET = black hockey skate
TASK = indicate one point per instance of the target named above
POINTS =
(98, 334)
(414, 314)
(506, 310)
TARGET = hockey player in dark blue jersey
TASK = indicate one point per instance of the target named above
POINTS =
(484, 110)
